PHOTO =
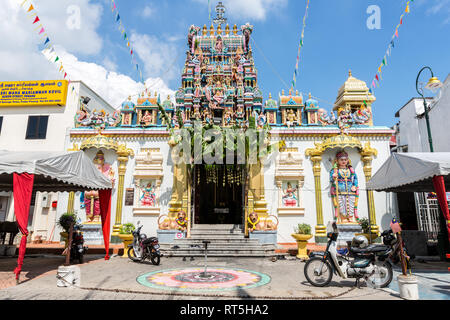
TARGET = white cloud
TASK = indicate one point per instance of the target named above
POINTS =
(147, 12)
(159, 57)
(109, 64)
(248, 9)
(436, 7)
(20, 58)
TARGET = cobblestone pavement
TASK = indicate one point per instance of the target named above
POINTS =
(116, 279)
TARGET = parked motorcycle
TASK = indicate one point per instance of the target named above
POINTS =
(391, 239)
(359, 261)
(144, 248)
(77, 250)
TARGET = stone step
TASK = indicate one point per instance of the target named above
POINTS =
(216, 236)
(226, 241)
(217, 227)
(216, 247)
(219, 241)
(237, 255)
(218, 231)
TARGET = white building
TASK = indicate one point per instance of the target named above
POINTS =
(413, 135)
(35, 120)
(419, 211)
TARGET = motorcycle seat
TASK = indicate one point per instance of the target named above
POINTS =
(373, 248)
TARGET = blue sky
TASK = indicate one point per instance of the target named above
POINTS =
(336, 40)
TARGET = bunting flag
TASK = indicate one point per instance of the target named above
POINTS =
(48, 51)
(123, 32)
(294, 80)
(391, 45)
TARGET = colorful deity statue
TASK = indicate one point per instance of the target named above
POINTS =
(291, 118)
(362, 115)
(147, 118)
(344, 189)
(91, 198)
(345, 119)
(261, 120)
(197, 114)
(219, 44)
(290, 196)
(148, 198)
(228, 118)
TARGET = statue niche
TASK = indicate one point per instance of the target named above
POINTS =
(344, 190)
(91, 198)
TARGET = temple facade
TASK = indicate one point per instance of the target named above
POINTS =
(302, 181)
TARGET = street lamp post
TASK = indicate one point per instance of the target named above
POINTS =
(433, 84)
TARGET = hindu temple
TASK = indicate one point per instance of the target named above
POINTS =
(316, 175)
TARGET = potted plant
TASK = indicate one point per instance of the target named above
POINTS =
(302, 233)
(64, 222)
(126, 235)
(366, 230)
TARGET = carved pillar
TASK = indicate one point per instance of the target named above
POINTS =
(123, 153)
(179, 182)
(70, 203)
(317, 168)
(367, 156)
(257, 186)
(316, 158)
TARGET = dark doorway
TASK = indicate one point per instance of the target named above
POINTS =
(407, 210)
(218, 194)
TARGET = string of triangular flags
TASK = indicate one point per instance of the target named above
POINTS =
(48, 51)
(377, 79)
(125, 37)
(294, 80)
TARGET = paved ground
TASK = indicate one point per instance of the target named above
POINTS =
(433, 278)
(116, 279)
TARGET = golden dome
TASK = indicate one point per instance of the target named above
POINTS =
(353, 91)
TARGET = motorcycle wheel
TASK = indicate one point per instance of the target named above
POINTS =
(155, 259)
(382, 277)
(81, 259)
(132, 255)
(318, 272)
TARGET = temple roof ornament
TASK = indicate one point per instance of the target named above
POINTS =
(354, 92)
(311, 103)
(128, 105)
(271, 103)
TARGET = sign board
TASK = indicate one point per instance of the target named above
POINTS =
(33, 93)
(129, 197)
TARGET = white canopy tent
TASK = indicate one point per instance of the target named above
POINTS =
(416, 172)
(411, 172)
(53, 171)
(26, 172)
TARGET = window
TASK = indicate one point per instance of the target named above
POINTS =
(37, 127)
(1, 122)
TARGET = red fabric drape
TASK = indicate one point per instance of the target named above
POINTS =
(439, 188)
(22, 190)
(105, 212)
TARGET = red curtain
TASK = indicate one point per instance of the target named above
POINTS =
(22, 190)
(439, 188)
(105, 212)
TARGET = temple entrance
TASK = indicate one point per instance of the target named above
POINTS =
(218, 194)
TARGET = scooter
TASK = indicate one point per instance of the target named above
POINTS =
(358, 262)
(143, 248)
(77, 250)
